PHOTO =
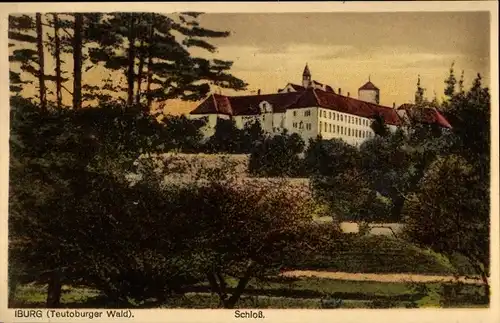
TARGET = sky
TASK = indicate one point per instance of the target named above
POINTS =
(343, 50)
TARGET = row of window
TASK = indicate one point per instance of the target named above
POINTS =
(332, 115)
(307, 113)
(344, 131)
(300, 125)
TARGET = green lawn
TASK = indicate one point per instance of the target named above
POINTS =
(378, 254)
(286, 293)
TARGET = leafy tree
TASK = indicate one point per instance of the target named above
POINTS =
(448, 213)
(252, 134)
(277, 156)
(470, 113)
(247, 229)
(394, 165)
(226, 138)
(329, 157)
(54, 157)
(373, 208)
(379, 126)
(336, 177)
(183, 134)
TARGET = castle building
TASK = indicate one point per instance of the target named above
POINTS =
(310, 110)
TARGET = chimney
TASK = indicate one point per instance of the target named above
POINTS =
(394, 105)
(340, 91)
(258, 92)
(348, 94)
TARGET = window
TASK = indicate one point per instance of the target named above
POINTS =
(349, 132)
(308, 126)
(338, 129)
(320, 125)
(307, 113)
(324, 114)
(326, 127)
(341, 130)
(294, 113)
(330, 125)
(341, 118)
(295, 124)
(329, 115)
(301, 125)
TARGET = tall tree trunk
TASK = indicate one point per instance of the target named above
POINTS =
(131, 60)
(150, 66)
(140, 73)
(77, 61)
(57, 53)
(54, 291)
(41, 62)
(240, 288)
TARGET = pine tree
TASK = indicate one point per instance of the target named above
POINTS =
(21, 30)
(419, 94)
(461, 88)
(41, 62)
(27, 35)
(57, 54)
(450, 82)
(77, 61)
(149, 41)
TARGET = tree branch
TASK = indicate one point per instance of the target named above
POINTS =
(66, 89)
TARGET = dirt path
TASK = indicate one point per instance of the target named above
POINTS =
(378, 277)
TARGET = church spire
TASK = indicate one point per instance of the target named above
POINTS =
(306, 71)
(306, 77)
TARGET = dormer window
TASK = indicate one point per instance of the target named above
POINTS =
(265, 107)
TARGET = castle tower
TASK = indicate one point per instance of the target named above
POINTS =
(306, 77)
(369, 92)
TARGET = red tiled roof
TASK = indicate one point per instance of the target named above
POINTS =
(245, 105)
(332, 101)
(429, 115)
(297, 87)
(369, 86)
(249, 105)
